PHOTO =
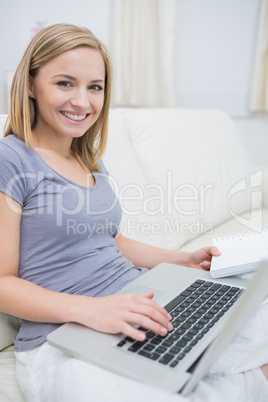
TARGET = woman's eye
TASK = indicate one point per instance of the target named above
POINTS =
(96, 87)
(63, 84)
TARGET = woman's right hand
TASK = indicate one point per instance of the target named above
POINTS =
(113, 314)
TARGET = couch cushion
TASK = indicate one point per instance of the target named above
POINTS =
(9, 389)
(227, 228)
(9, 327)
(194, 162)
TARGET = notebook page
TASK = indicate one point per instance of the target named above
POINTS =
(240, 249)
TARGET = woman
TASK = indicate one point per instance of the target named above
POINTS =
(51, 172)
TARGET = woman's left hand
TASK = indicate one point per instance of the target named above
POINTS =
(202, 258)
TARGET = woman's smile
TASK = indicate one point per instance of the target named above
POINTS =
(74, 117)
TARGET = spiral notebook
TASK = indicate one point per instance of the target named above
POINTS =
(241, 253)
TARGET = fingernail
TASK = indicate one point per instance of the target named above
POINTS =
(163, 331)
(141, 337)
(170, 327)
(169, 316)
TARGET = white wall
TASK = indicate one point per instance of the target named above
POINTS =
(215, 53)
(254, 130)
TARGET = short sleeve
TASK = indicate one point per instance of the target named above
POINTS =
(12, 175)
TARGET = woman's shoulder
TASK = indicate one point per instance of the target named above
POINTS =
(15, 156)
(12, 145)
(12, 167)
(11, 151)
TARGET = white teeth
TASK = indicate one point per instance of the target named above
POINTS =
(74, 117)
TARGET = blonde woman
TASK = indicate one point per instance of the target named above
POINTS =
(51, 171)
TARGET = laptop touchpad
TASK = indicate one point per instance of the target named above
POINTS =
(137, 289)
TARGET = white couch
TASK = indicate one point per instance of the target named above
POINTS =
(183, 177)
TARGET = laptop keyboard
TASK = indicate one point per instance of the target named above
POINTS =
(194, 312)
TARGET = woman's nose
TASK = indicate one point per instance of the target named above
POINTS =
(80, 99)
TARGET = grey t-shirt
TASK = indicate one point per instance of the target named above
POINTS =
(67, 232)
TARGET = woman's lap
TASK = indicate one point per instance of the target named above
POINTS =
(58, 377)
(47, 374)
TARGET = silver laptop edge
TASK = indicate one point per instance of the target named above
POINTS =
(256, 291)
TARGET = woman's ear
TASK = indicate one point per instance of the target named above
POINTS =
(31, 87)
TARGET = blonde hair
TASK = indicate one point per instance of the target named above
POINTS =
(44, 47)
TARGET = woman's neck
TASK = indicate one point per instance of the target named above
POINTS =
(61, 146)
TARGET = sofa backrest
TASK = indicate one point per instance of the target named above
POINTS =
(182, 170)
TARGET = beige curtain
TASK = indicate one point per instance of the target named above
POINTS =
(143, 38)
(259, 90)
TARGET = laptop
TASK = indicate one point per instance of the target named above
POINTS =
(207, 314)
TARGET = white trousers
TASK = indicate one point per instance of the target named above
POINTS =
(49, 375)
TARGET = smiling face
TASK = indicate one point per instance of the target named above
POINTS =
(69, 94)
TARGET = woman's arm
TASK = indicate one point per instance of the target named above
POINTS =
(29, 301)
(17, 296)
(144, 255)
